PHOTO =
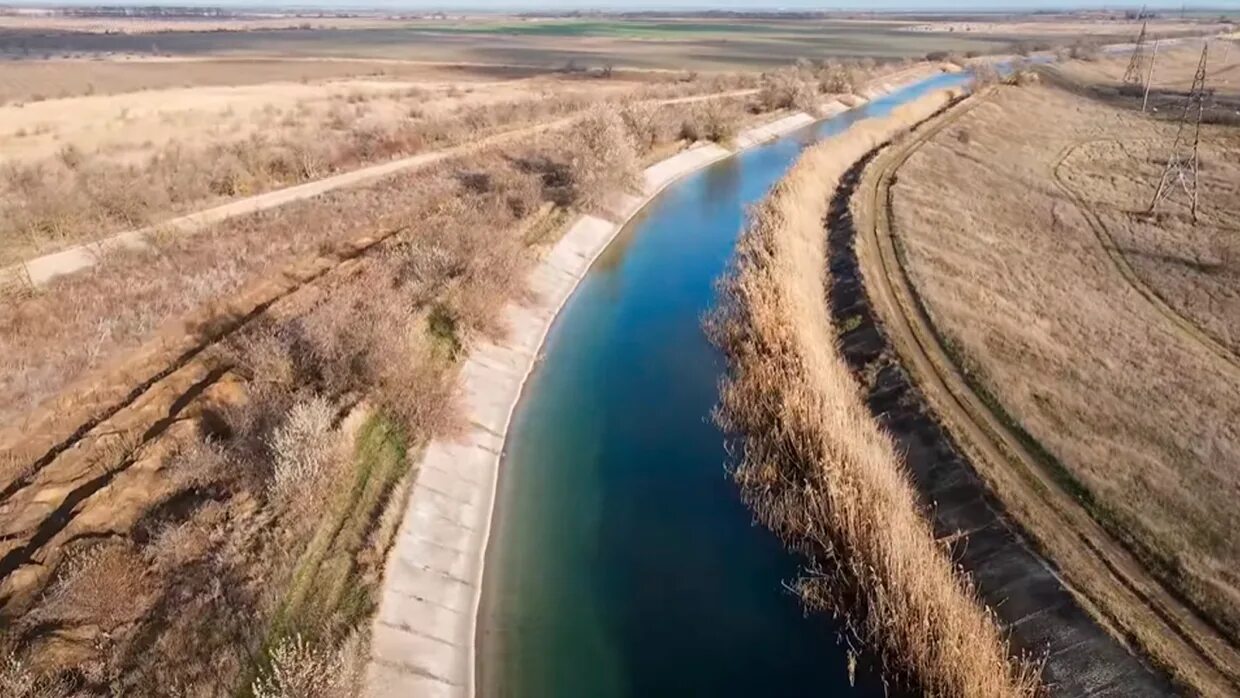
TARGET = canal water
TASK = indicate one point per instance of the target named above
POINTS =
(622, 562)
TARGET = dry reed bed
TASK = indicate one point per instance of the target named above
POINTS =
(814, 464)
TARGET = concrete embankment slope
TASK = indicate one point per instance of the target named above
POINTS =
(424, 633)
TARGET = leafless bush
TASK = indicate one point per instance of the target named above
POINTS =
(838, 78)
(603, 159)
(302, 448)
(76, 595)
(784, 89)
(1084, 50)
(985, 74)
(714, 120)
(300, 669)
(17, 680)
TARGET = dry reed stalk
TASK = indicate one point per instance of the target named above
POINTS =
(815, 465)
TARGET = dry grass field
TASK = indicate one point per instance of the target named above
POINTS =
(79, 168)
(689, 43)
(1173, 69)
(30, 81)
(1072, 26)
(1140, 417)
(43, 21)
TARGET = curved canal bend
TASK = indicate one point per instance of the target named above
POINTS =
(622, 561)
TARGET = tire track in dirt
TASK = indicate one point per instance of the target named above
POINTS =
(1180, 324)
(103, 433)
(89, 404)
(1091, 557)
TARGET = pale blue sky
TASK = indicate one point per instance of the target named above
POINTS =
(615, 5)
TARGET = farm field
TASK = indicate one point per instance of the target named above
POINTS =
(1128, 385)
(630, 43)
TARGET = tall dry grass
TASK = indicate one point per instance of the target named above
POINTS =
(814, 464)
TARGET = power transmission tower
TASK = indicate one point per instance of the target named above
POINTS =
(1136, 65)
(1182, 165)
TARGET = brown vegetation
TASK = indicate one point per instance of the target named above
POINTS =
(815, 465)
(78, 195)
(108, 310)
(258, 527)
(1133, 415)
(266, 515)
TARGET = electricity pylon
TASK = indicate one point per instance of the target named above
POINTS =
(1182, 171)
(1135, 74)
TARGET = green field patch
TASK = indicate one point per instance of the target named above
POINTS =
(619, 29)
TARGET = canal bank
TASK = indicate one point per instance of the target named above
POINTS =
(423, 635)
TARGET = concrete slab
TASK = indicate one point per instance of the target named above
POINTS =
(418, 654)
(385, 681)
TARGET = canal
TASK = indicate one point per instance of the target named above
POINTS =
(622, 562)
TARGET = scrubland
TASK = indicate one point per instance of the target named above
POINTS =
(108, 310)
(1136, 416)
(249, 559)
(218, 432)
(815, 465)
(80, 168)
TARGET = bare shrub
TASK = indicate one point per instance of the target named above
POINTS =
(602, 159)
(105, 586)
(302, 448)
(785, 89)
(985, 74)
(1083, 50)
(300, 669)
(714, 120)
(17, 680)
(838, 78)
(651, 125)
